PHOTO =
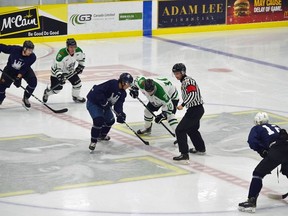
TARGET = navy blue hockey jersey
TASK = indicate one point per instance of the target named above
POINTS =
(110, 92)
(261, 136)
(17, 63)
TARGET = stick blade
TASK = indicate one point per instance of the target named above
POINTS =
(275, 196)
(55, 111)
(61, 110)
(146, 142)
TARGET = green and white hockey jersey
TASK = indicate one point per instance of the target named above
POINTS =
(164, 94)
(65, 63)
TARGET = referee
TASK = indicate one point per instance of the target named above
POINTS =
(190, 122)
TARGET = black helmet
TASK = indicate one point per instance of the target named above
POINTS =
(126, 78)
(71, 42)
(149, 85)
(28, 45)
(179, 67)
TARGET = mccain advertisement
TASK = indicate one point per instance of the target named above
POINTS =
(255, 11)
(30, 22)
(181, 13)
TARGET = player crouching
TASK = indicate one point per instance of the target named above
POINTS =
(101, 98)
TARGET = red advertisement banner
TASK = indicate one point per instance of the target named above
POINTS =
(255, 11)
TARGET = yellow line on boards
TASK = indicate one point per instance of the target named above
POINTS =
(211, 28)
(17, 193)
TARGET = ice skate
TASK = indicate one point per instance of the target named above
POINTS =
(78, 99)
(248, 206)
(145, 130)
(194, 151)
(26, 104)
(182, 158)
(104, 138)
(92, 146)
(45, 95)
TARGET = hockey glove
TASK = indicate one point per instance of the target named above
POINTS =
(161, 117)
(79, 69)
(61, 78)
(283, 135)
(134, 93)
(121, 118)
(17, 82)
(263, 153)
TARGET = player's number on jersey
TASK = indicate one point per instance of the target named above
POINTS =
(170, 106)
(270, 132)
(165, 81)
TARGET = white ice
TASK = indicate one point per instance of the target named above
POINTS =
(238, 72)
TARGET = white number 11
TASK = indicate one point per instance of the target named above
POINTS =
(270, 132)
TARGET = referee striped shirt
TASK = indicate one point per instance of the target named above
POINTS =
(190, 93)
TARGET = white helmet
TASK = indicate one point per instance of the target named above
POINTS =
(261, 118)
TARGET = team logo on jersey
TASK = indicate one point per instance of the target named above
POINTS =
(70, 67)
(113, 99)
(59, 56)
(17, 65)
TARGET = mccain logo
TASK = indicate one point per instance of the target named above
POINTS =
(19, 21)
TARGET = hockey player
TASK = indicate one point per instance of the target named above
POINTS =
(271, 143)
(63, 68)
(100, 101)
(161, 94)
(190, 123)
(19, 66)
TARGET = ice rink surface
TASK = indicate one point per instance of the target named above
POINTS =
(46, 167)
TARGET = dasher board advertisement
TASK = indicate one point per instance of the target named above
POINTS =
(105, 17)
(182, 13)
(255, 11)
(44, 20)
(18, 21)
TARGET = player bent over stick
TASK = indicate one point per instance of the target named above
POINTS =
(100, 101)
(271, 143)
(63, 68)
(19, 67)
(161, 94)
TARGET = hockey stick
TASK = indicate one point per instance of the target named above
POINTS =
(277, 196)
(53, 110)
(67, 78)
(155, 116)
(144, 141)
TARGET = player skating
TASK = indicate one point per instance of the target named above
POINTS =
(271, 143)
(64, 67)
(18, 67)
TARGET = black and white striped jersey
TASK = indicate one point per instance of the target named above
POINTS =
(190, 93)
